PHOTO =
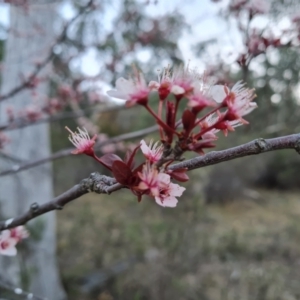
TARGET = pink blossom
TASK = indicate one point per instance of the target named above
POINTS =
(219, 92)
(210, 135)
(65, 92)
(33, 113)
(9, 239)
(199, 100)
(184, 81)
(209, 121)
(153, 152)
(19, 233)
(134, 90)
(238, 100)
(149, 180)
(7, 244)
(259, 6)
(168, 191)
(181, 82)
(217, 122)
(82, 141)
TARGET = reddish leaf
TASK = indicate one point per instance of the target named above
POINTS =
(108, 159)
(179, 174)
(130, 156)
(188, 121)
(121, 172)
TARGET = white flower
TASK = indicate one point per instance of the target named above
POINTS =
(82, 141)
(134, 90)
(153, 152)
(7, 244)
(168, 191)
(238, 99)
(9, 239)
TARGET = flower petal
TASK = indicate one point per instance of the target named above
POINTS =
(176, 190)
(167, 202)
(218, 93)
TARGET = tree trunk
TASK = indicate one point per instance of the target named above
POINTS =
(29, 42)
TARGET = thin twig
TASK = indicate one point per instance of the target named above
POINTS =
(66, 152)
(22, 122)
(102, 184)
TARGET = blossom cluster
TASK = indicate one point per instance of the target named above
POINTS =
(10, 238)
(180, 130)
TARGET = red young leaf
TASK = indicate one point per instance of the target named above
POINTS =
(179, 175)
(108, 159)
(130, 156)
(121, 172)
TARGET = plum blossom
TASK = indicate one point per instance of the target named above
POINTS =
(168, 191)
(159, 185)
(259, 6)
(33, 113)
(133, 90)
(217, 122)
(238, 100)
(9, 239)
(149, 180)
(199, 101)
(19, 233)
(7, 244)
(82, 141)
(181, 82)
(153, 152)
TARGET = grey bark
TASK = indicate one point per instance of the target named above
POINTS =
(35, 28)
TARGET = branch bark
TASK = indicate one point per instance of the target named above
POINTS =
(254, 147)
(102, 184)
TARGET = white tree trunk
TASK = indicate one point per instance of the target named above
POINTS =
(28, 43)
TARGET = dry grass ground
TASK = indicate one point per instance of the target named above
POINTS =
(111, 247)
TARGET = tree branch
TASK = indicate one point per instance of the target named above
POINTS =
(257, 146)
(102, 184)
(95, 183)
(66, 152)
